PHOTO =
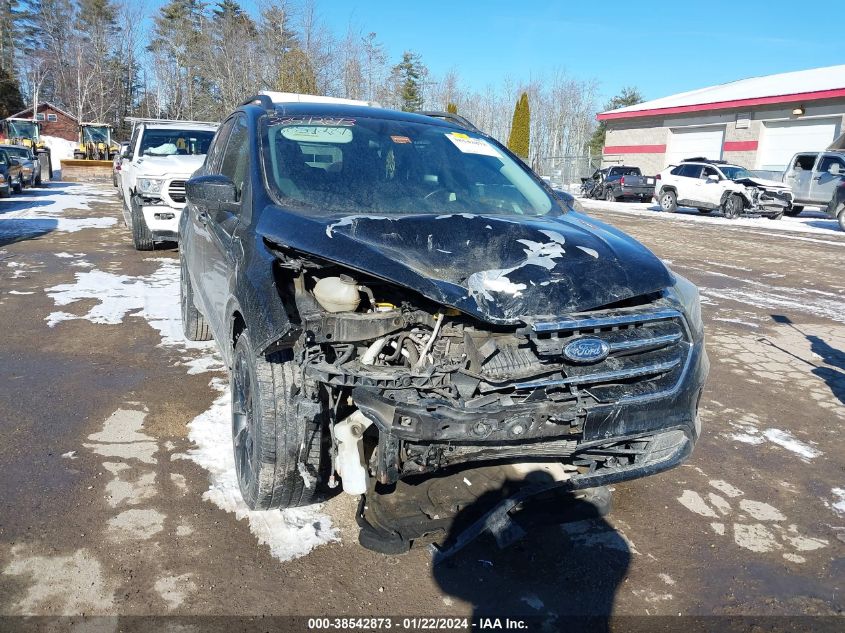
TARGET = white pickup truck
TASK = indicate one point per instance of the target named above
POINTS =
(161, 156)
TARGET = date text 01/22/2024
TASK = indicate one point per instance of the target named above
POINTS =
(415, 624)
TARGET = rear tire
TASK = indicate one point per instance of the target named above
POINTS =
(142, 238)
(194, 324)
(669, 201)
(794, 210)
(276, 433)
(732, 208)
(18, 187)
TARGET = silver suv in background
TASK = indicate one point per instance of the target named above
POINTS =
(814, 177)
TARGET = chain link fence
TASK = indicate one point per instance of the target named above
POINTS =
(565, 172)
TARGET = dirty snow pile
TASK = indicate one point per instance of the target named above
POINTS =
(155, 298)
(60, 148)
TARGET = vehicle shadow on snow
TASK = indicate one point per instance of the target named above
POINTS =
(19, 230)
(557, 570)
(833, 372)
(11, 204)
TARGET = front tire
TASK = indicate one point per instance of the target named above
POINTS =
(142, 238)
(840, 217)
(732, 208)
(669, 201)
(19, 186)
(194, 324)
(608, 195)
(777, 215)
(276, 433)
(794, 210)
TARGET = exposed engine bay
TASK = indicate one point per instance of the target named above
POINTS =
(412, 387)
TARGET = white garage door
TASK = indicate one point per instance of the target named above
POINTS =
(703, 142)
(780, 140)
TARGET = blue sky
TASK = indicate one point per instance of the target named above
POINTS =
(659, 47)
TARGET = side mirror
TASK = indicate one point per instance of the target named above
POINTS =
(713, 178)
(14, 162)
(211, 191)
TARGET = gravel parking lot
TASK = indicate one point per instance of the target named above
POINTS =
(119, 495)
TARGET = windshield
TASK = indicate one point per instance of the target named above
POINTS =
(176, 142)
(98, 134)
(345, 165)
(24, 129)
(735, 173)
(20, 152)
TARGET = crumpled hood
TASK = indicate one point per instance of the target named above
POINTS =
(169, 166)
(763, 182)
(501, 269)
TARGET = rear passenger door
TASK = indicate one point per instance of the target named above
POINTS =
(223, 224)
(826, 178)
(799, 175)
(688, 183)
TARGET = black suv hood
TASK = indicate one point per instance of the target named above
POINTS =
(500, 269)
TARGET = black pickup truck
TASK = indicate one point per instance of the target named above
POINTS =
(621, 181)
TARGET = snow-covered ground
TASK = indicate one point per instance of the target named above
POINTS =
(39, 211)
(812, 220)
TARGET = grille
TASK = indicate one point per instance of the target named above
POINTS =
(648, 351)
(176, 190)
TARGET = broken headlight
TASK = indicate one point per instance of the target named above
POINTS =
(150, 186)
(685, 294)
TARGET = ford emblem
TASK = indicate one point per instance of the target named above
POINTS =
(586, 350)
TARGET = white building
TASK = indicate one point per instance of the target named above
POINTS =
(758, 123)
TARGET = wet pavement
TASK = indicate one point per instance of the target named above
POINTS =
(116, 484)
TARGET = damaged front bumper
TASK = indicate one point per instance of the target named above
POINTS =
(162, 221)
(607, 443)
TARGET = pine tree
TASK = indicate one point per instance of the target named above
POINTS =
(11, 101)
(410, 73)
(628, 97)
(520, 136)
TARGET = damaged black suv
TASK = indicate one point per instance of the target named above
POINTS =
(398, 295)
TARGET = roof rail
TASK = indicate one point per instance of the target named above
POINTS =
(268, 99)
(260, 99)
(451, 117)
(701, 159)
(136, 120)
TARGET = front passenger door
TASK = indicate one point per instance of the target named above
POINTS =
(827, 178)
(223, 224)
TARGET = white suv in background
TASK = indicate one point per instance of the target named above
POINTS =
(715, 184)
(161, 156)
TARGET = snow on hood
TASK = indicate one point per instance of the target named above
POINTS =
(173, 165)
(501, 269)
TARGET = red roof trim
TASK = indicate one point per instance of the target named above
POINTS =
(635, 149)
(722, 105)
(739, 146)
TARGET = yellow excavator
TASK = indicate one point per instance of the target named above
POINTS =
(27, 133)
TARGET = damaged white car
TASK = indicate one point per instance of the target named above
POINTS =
(708, 185)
